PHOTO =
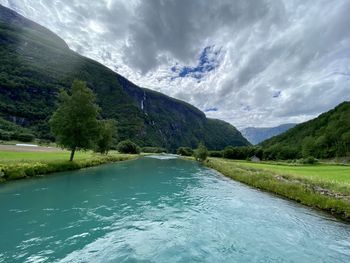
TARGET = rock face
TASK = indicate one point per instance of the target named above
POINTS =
(257, 135)
(36, 64)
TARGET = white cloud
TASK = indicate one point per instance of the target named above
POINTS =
(297, 49)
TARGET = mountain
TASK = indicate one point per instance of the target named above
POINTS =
(257, 135)
(36, 64)
(326, 136)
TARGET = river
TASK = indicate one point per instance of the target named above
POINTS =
(158, 209)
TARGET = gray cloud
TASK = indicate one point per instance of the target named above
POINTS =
(297, 49)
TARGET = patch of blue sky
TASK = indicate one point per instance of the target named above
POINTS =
(277, 94)
(208, 60)
(211, 109)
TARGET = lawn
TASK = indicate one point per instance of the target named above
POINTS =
(11, 156)
(336, 177)
(23, 162)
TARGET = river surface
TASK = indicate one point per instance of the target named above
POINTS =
(160, 210)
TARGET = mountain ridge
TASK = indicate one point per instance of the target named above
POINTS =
(256, 135)
(37, 64)
(325, 136)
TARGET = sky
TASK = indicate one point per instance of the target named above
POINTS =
(248, 62)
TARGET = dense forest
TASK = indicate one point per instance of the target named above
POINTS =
(326, 136)
(36, 64)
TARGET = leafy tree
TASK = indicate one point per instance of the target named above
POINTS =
(216, 154)
(106, 131)
(25, 137)
(184, 151)
(128, 146)
(346, 141)
(308, 146)
(201, 153)
(153, 150)
(74, 123)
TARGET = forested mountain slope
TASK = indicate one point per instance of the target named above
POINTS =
(36, 64)
(326, 136)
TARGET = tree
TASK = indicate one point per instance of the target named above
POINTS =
(201, 153)
(128, 146)
(106, 131)
(184, 151)
(74, 123)
(308, 146)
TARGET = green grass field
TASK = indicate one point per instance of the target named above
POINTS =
(328, 172)
(335, 177)
(18, 163)
(323, 186)
(10, 157)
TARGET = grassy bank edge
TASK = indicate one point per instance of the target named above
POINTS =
(267, 181)
(16, 171)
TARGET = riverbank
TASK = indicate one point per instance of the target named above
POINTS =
(327, 193)
(21, 165)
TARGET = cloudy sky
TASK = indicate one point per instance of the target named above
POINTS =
(249, 62)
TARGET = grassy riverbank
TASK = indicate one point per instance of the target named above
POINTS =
(326, 187)
(18, 165)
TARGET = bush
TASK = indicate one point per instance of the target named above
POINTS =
(153, 150)
(22, 170)
(5, 135)
(24, 137)
(201, 153)
(128, 146)
(219, 154)
(184, 151)
(308, 160)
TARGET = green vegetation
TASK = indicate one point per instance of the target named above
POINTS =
(327, 136)
(153, 150)
(324, 187)
(11, 131)
(201, 153)
(334, 177)
(8, 157)
(74, 123)
(242, 153)
(128, 146)
(184, 151)
(24, 165)
(107, 135)
(36, 64)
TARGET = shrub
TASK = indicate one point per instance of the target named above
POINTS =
(184, 151)
(308, 160)
(128, 146)
(201, 153)
(24, 137)
(153, 150)
(219, 154)
(5, 135)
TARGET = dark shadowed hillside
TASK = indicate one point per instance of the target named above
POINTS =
(36, 64)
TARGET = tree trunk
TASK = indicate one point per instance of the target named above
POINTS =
(72, 154)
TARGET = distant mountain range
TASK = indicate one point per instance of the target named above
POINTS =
(257, 135)
(36, 64)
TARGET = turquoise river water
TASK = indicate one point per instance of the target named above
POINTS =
(156, 209)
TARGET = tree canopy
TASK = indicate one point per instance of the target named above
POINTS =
(107, 132)
(74, 123)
